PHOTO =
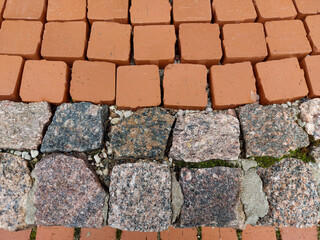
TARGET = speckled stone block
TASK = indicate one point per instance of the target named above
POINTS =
(143, 135)
(292, 194)
(310, 112)
(76, 127)
(270, 131)
(203, 136)
(211, 197)
(15, 184)
(67, 193)
(140, 195)
(22, 124)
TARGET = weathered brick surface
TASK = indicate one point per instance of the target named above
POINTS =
(54, 233)
(10, 235)
(258, 232)
(310, 64)
(291, 233)
(104, 233)
(312, 25)
(179, 234)
(66, 10)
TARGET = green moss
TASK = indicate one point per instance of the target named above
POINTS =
(239, 234)
(199, 233)
(205, 164)
(118, 234)
(300, 153)
(33, 233)
(265, 161)
(278, 235)
(77, 232)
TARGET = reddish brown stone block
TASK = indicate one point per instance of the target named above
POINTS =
(274, 77)
(187, 11)
(209, 233)
(228, 91)
(54, 233)
(25, 10)
(306, 7)
(138, 86)
(244, 42)
(2, 4)
(108, 10)
(21, 38)
(179, 234)
(10, 77)
(275, 10)
(311, 64)
(105, 233)
(312, 24)
(64, 41)
(19, 235)
(55, 87)
(139, 235)
(184, 86)
(233, 11)
(287, 38)
(150, 12)
(291, 233)
(67, 10)
(200, 43)
(110, 42)
(154, 45)
(258, 232)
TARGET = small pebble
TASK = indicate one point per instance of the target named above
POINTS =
(109, 151)
(34, 153)
(18, 153)
(115, 121)
(289, 104)
(26, 156)
(113, 108)
(99, 172)
(119, 113)
(105, 171)
(97, 159)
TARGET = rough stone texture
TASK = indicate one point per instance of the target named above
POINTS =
(15, 184)
(203, 136)
(176, 196)
(22, 125)
(253, 198)
(292, 194)
(211, 197)
(68, 193)
(270, 131)
(143, 135)
(248, 164)
(140, 195)
(310, 114)
(76, 127)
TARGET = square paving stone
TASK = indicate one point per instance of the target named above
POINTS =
(143, 135)
(270, 131)
(312, 25)
(22, 124)
(211, 197)
(292, 194)
(140, 197)
(204, 136)
(76, 127)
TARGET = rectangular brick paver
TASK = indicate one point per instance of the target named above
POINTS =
(105, 233)
(179, 234)
(290, 233)
(2, 5)
(19, 235)
(306, 7)
(209, 233)
(258, 232)
(311, 64)
(54, 233)
(139, 235)
(67, 10)
(312, 24)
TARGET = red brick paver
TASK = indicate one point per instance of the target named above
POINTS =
(19, 235)
(306, 7)
(139, 236)
(275, 10)
(244, 42)
(10, 77)
(187, 11)
(209, 233)
(311, 65)
(26, 10)
(290, 233)
(154, 45)
(54, 233)
(228, 91)
(146, 12)
(55, 87)
(93, 82)
(138, 86)
(258, 232)
(105, 233)
(22, 38)
(233, 11)
(110, 42)
(280, 81)
(66, 10)
(2, 5)
(200, 43)
(108, 10)
(184, 86)
(312, 24)
(179, 234)
(287, 38)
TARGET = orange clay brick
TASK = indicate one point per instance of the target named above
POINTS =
(10, 77)
(25, 10)
(280, 81)
(184, 86)
(154, 45)
(311, 64)
(64, 41)
(105, 233)
(179, 234)
(110, 42)
(244, 42)
(19, 235)
(93, 82)
(258, 232)
(275, 10)
(312, 24)
(228, 91)
(139, 235)
(54, 233)
(209, 233)
(138, 86)
(108, 10)
(291, 233)
(2, 5)
(306, 7)
(287, 38)
(233, 11)
(21, 38)
(55, 87)
(200, 43)
(66, 10)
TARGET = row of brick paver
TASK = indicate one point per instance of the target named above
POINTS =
(208, 233)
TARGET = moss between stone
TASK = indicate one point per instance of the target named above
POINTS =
(199, 233)
(205, 164)
(77, 232)
(118, 234)
(33, 234)
(278, 235)
(239, 234)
